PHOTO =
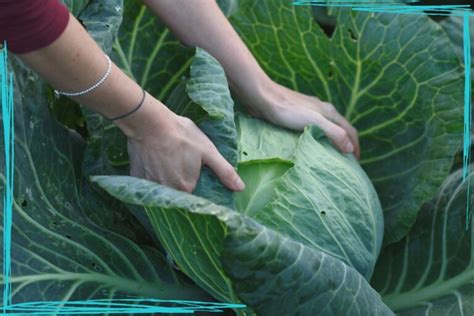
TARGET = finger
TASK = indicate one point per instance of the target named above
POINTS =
(223, 169)
(334, 132)
(351, 131)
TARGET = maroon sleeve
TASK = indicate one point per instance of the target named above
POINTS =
(28, 25)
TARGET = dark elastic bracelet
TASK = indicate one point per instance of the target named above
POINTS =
(132, 111)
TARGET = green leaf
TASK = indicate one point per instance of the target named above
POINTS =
(63, 244)
(180, 221)
(257, 140)
(431, 270)
(102, 19)
(395, 77)
(233, 256)
(208, 89)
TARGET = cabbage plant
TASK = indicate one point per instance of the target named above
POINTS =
(298, 207)
(315, 232)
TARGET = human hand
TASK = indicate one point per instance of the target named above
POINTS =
(171, 150)
(290, 109)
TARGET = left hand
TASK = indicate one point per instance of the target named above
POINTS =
(290, 109)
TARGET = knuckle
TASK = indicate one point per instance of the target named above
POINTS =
(342, 136)
(329, 108)
(228, 173)
(186, 187)
(187, 122)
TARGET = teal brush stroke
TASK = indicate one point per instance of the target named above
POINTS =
(467, 114)
(104, 306)
(6, 81)
(390, 7)
(456, 10)
(118, 306)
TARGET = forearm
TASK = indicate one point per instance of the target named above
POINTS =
(201, 23)
(74, 62)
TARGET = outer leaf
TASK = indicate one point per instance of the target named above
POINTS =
(395, 77)
(261, 265)
(431, 271)
(208, 89)
(60, 251)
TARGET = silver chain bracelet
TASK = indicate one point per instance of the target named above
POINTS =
(75, 94)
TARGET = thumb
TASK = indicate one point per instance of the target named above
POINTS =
(223, 169)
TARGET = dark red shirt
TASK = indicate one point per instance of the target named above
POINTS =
(28, 25)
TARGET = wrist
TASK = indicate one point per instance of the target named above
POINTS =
(256, 95)
(150, 118)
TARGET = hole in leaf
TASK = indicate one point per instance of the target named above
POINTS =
(68, 236)
(326, 21)
(96, 267)
(24, 203)
(330, 74)
(352, 35)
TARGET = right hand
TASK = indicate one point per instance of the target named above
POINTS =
(171, 150)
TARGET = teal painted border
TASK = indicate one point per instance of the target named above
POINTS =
(6, 81)
(129, 305)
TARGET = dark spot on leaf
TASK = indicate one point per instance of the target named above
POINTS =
(96, 267)
(352, 35)
(68, 236)
(245, 153)
(330, 74)
(323, 212)
(24, 203)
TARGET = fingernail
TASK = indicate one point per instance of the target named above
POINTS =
(349, 148)
(239, 185)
